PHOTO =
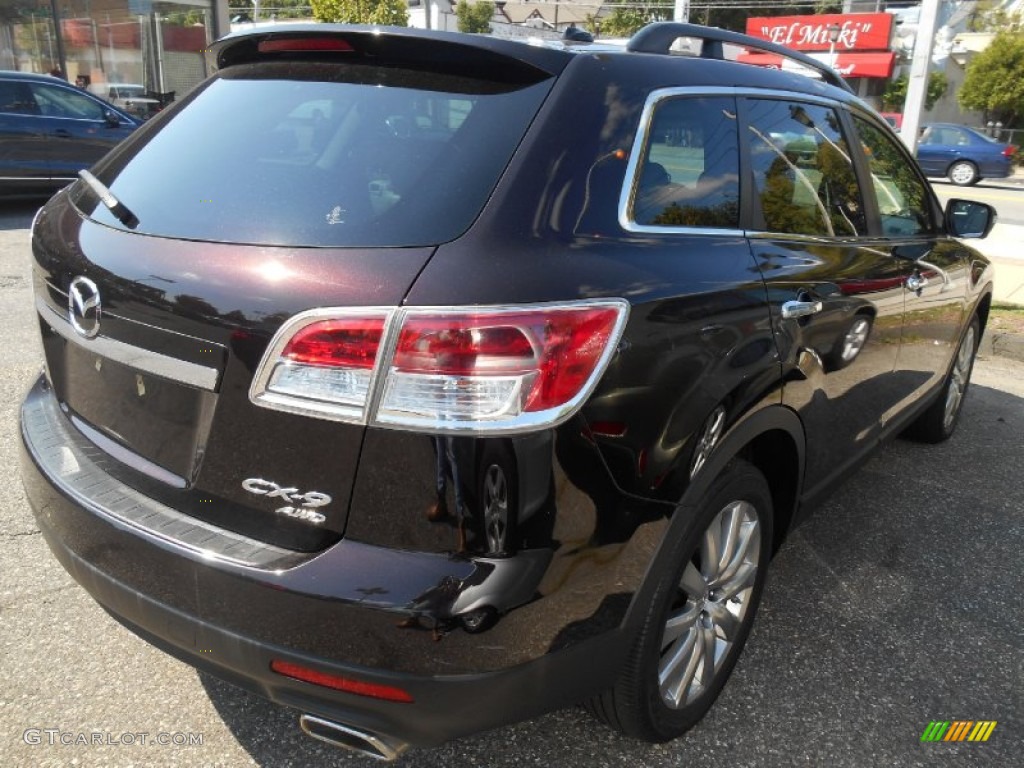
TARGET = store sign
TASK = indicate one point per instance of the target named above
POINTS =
(857, 31)
(879, 64)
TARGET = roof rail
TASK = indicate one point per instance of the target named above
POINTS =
(658, 38)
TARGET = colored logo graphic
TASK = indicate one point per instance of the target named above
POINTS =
(958, 730)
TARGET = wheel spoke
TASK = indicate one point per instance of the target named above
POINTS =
(741, 580)
(679, 623)
(732, 524)
(749, 534)
(692, 582)
(711, 549)
(724, 619)
(675, 670)
(707, 672)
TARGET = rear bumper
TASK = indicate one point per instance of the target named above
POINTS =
(230, 607)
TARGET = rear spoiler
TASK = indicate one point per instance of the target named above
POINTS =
(479, 56)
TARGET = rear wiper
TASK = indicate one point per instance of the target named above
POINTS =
(119, 209)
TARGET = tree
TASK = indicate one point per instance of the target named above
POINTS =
(474, 17)
(388, 12)
(994, 83)
(896, 92)
(626, 18)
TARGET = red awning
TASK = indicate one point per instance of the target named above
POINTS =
(847, 64)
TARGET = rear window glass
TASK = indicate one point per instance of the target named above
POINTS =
(318, 154)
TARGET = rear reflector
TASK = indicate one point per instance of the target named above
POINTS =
(462, 370)
(299, 44)
(339, 683)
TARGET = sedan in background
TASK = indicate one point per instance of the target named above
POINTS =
(50, 130)
(964, 155)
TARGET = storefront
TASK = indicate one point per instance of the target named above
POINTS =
(98, 44)
(857, 45)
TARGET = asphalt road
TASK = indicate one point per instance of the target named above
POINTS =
(899, 603)
(1005, 195)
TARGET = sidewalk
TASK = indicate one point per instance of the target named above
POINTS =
(1005, 247)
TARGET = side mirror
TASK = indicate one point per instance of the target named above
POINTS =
(111, 118)
(966, 218)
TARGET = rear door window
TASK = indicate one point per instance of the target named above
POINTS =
(55, 101)
(804, 178)
(322, 154)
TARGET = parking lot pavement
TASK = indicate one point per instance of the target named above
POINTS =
(897, 604)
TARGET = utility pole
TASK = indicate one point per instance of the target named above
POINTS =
(62, 62)
(920, 65)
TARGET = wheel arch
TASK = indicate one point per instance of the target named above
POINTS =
(772, 440)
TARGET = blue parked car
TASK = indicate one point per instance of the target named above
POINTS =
(50, 130)
(964, 155)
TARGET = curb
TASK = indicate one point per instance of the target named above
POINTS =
(1002, 344)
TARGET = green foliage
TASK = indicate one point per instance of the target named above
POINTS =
(387, 12)
(623, 21)
(896, 92)
(627, 16)
(995, 79)
(989, 16)
(13, 11)
(474, 17)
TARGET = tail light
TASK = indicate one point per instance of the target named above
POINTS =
(1009, 150)
(490, 369)
(321, 363)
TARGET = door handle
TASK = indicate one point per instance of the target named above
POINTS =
(61, 133)
(916, 282)
(794, 309)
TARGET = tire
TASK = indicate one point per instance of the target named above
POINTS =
(665, 686)
(938, 423)
(963, 173)
(850, 344)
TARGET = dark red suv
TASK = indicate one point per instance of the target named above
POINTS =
(424, 382)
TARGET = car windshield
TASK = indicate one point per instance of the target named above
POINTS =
(321, 155)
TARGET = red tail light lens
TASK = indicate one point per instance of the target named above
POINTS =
(479, 370)
(350, 343)
(1009, 150)
(497, 369)
(322, 366)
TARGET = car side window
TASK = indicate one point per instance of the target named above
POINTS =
(804, 178)
(16, 98)
(900, 192)
(63, 102)
(688, 174)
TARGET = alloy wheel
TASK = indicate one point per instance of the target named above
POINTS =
(714, 596)
(959, 377)
(496, 508)
(855, 338)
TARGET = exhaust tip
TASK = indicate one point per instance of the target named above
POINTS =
(373, 745)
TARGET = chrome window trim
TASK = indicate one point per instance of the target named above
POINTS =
(640, 140)
(181, 371)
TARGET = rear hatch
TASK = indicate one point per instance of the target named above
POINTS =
(318, 168)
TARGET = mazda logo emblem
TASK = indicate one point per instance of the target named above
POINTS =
(84, 307)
